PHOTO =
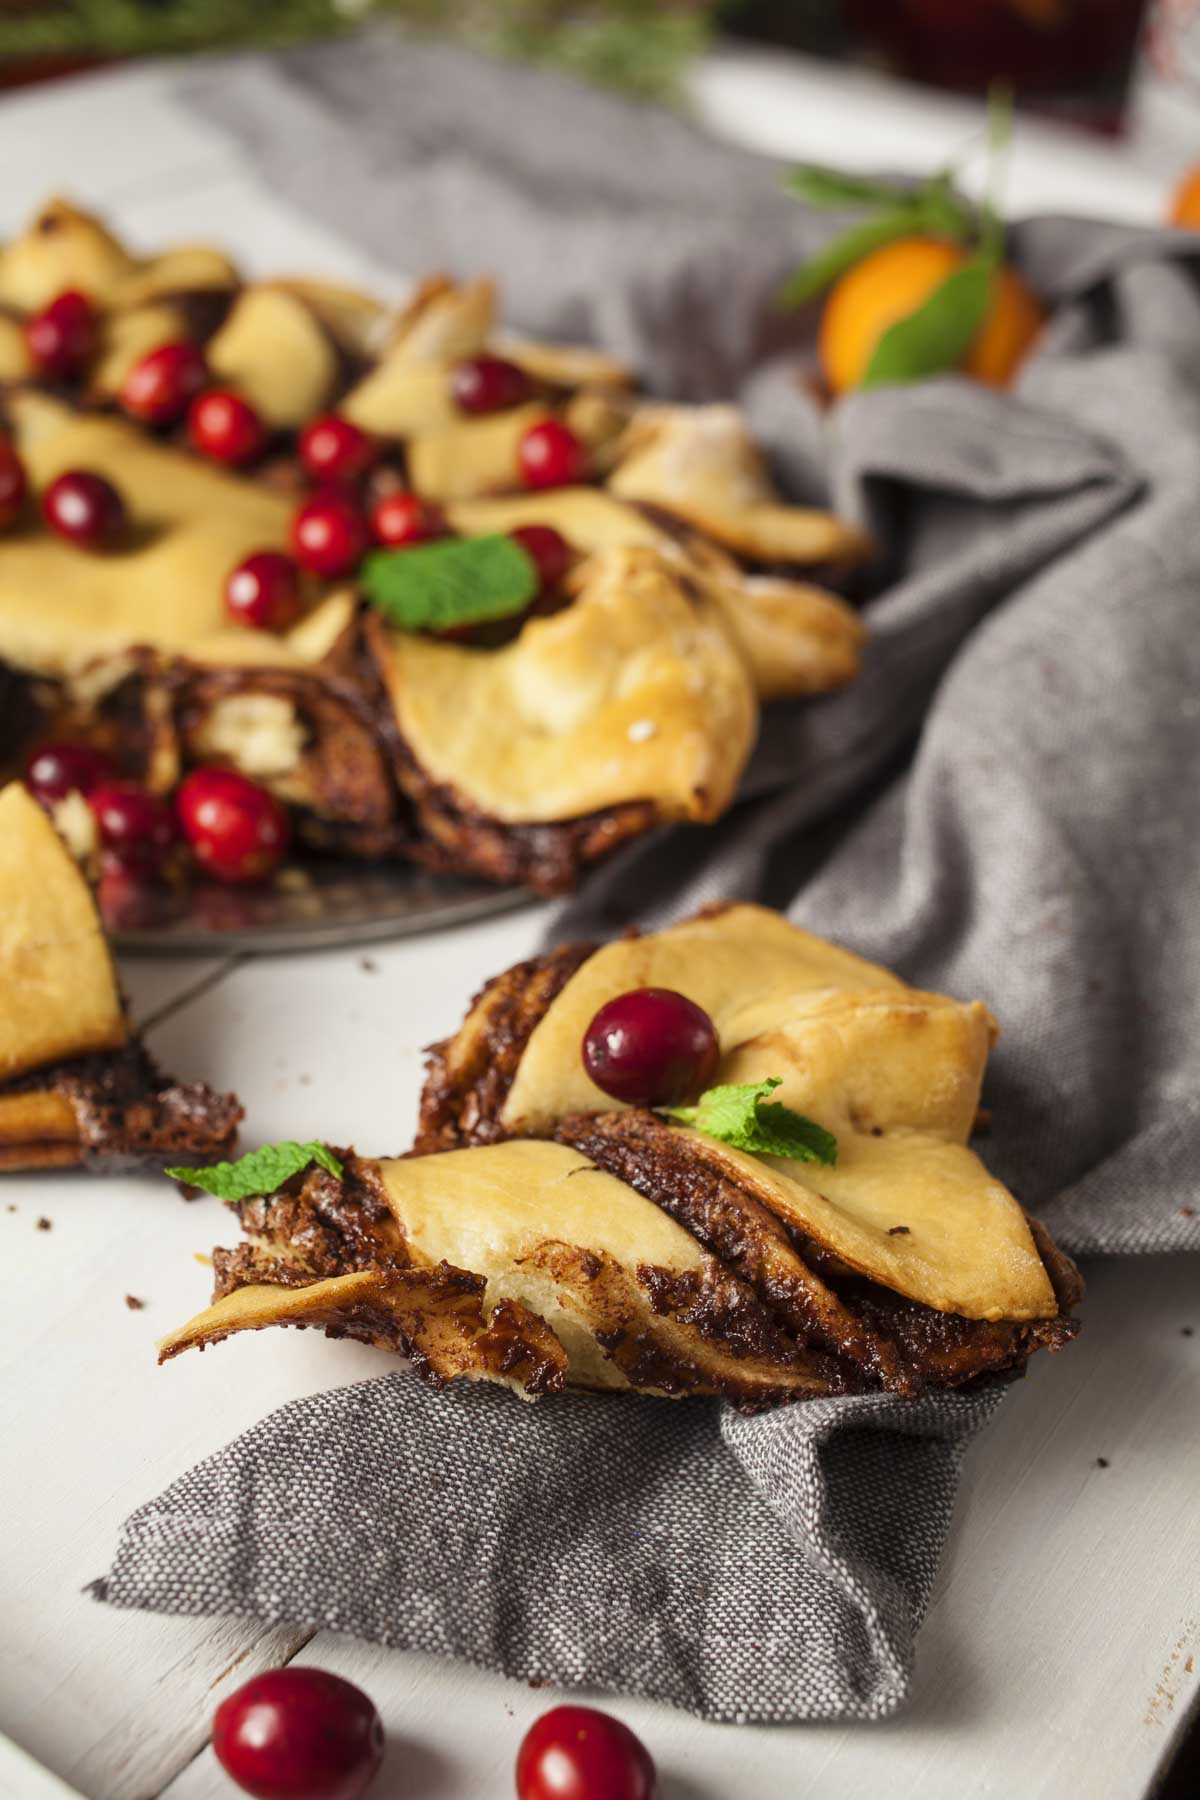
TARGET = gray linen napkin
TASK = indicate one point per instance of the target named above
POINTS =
(1007, 805)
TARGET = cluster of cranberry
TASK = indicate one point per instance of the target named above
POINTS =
(171, 386)
(303, 1734)
(235, 830)
(334, 527)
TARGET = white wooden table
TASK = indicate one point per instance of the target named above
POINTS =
(1061, 1652)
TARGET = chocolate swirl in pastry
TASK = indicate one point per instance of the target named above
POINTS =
(655, 1255)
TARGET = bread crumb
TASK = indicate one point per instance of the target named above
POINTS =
(133, 1303)
(44, 1224)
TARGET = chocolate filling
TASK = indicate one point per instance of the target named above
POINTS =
(129, 1114)
(469, 1075)
(884, 1338)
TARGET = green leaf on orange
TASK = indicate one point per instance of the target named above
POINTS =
(939, 333)
(848, 248)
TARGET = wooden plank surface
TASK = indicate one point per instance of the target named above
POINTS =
(1061, 1648)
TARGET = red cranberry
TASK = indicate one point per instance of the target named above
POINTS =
(332, 449)
(329, 534)
(84, 507)
(13, 485)
(159, 389)
(57, 770)
(299, 1734)
(264, 591)
(62, 337)
(580, 1753)
(133, 823)
(224, 426)
(651, 1047)
(549, 550)
(550, 455)
(237, 830)
(488, 384)
(402, 518)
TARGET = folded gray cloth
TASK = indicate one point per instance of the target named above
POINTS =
(1006, 805)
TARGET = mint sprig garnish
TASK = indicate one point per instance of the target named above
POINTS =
(741, 1115)
(262, 1171)
(455, 581)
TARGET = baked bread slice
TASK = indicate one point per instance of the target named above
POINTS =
(657, 1255)
(76, 1085)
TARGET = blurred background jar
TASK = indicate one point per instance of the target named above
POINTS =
(1072, 60)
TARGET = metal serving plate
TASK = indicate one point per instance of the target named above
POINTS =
(311, 906)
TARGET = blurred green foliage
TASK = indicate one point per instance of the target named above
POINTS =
(639, 46)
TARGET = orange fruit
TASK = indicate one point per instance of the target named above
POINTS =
(893, 282)
(1185, 202)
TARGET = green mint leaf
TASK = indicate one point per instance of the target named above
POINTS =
(822, 186)
(741, 1115)
(455, 581)
(939, 333)
(261, 1171)
(847, 249)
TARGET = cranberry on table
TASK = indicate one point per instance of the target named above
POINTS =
(14, 485)
(488, 384)
(160, 387)
(225, 427)
(329, 534)
(334, 449)
(299, 1734)
(263, 592)
(549, 550)
(550, 455)
(237, 830)
(57, 770)
(404, 518)
(651, 1047)
(62, 337)
(134, 823)
(85, 508)
(580, 1753)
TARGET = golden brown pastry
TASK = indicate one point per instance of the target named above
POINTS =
(610, 1247)
(701, 464)
(521, 754)
(633, 693)
(797, 638)
(586, 1282)
(76, 1085)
